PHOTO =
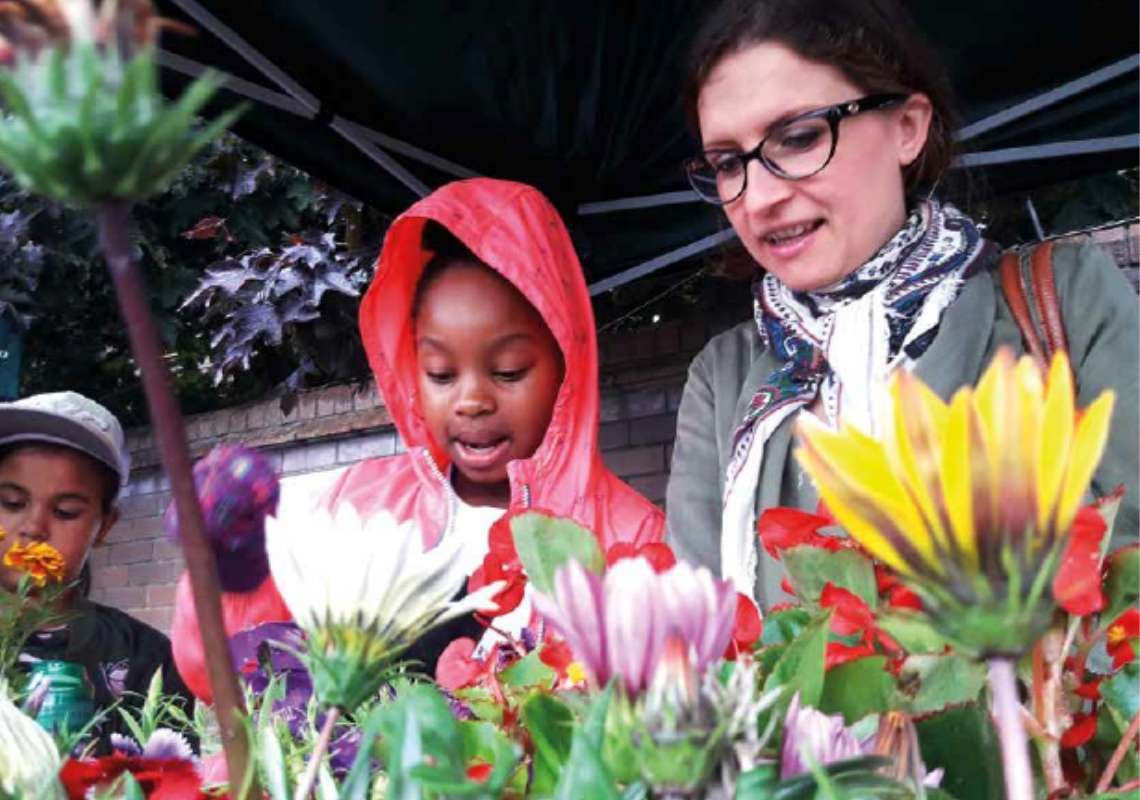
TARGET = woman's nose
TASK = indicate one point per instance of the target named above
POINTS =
(33, 525)
(763, 190)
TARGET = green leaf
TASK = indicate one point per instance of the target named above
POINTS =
(585, 773)
(551, 728)
(934, 682)
(528, 671)
(810, 568)
(780, 627)
(1122, 691)
(963, 742)
(800, 667)
(912, 631)
(859, 688)
(545, 543)
(757, 783)
(357, 783)
(1121, 584)
(418, 723)
(484, 741)
(274, 774)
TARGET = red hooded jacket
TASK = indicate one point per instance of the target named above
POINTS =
(515, 230)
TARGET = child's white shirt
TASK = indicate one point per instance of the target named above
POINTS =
(473, 526)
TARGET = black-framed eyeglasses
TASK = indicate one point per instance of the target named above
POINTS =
(795, 149)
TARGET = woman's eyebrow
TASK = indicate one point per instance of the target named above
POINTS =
(72, 497)
(787, 116)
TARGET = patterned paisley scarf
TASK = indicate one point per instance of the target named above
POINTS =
(839, 344)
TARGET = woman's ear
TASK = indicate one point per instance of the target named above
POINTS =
(913, 127)
(109, 520)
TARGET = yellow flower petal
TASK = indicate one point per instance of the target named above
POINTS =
(912, 446)
(1054, 439)
(992, 401)
(1088, 447)
(846, 512)
(957, 474)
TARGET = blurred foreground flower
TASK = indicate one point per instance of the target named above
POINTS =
(39, 560)
(814, 738)
(363, 592)
(86, 122)
(29, 760)
(619, 624)
(970, 501)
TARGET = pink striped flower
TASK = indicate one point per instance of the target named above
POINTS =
(618, 624)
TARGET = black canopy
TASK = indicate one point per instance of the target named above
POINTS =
(388, 99)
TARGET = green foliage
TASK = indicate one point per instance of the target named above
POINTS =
(810, 568)
(1122, 583)
(858, 688)
(230, 203)
(551, 727)
(22, 613)
(933, 682)
(800, 666)
(545, 543)
(913, 632)
(964, 743)
(585, 773)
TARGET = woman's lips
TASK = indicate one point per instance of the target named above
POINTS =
(792, 246)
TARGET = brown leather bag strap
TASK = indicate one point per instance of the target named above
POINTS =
(1012, 286)
(1048, 305)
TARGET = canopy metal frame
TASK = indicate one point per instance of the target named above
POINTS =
(295, 99)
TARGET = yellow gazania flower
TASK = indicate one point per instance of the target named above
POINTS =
(969, 499)
(40, 561)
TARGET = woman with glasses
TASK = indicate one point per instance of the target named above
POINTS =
(825, 127)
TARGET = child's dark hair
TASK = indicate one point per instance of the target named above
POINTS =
(874, 43)
(108, 480)
(446, 251)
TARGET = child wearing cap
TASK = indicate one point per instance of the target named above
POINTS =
(62, 466)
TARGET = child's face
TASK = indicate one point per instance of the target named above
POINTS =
(489, 373)
(51, 496)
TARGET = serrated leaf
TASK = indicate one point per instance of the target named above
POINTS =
(545, 543)
(810, 568)
(912, 631)
(933, 682)
(800, 667)
(859, 688)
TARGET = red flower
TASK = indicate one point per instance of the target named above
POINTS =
(557, 655)
(658, 554)
(1077, 583)
(850, 614)
(839, 653)
(494, 569)
(479, 770)
(902, 597)
(1090, 690)
(160, 778)
(456, 669)
(780, 528)
(747, 628)
(1082, 730)
(1119, 638)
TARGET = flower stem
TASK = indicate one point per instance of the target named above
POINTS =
(310, 775)
(1011, 730)
(113, 220)
(1118, 756)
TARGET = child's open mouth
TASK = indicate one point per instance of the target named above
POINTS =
(482, 453)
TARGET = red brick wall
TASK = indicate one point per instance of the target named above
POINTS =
(136, 568)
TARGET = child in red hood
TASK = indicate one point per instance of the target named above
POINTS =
(480, 333)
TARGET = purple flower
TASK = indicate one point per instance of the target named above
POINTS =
(811, 736)
(162, 744)
(266, 651)
(618, 625)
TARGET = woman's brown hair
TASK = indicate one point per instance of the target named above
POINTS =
(874, 43)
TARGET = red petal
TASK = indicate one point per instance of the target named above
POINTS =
(455, 668)
(1130, 621)
(780, 528)
(786, 587)
(903, 597)
(493, 569)
(1076, 586)
(618, 551)
(839, 653)
(479, 771)
(659, 555)
(500, 541)
(747, 628)
(1083, 729)
(851, 615)
(1121, 654)
(1090, 690)
(557, 655)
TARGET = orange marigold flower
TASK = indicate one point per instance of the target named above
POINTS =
(39, 560)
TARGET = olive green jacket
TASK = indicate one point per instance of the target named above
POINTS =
(1100, 312)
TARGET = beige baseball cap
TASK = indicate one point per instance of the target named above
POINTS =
(71, 420)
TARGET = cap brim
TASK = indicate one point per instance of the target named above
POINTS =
(33, 425)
